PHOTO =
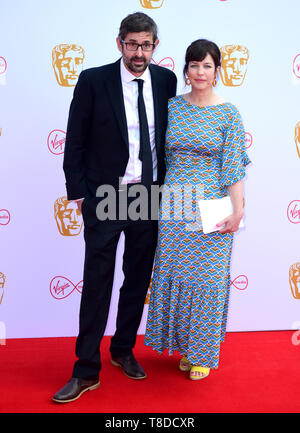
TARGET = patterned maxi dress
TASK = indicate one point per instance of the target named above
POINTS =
(191, 277)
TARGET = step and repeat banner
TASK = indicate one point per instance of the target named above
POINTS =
(43, 48)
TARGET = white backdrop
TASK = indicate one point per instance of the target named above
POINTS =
(41, 261)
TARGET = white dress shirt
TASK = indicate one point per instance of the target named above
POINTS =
(133, 173)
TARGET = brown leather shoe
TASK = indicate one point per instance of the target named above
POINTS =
(131, 368)
(74, 389)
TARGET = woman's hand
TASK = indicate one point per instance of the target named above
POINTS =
(231, 223)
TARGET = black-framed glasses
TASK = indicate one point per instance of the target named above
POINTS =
(133, 46)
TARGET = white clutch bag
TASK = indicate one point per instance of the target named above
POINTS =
(214, 211)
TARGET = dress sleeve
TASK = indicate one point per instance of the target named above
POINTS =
(234, 158)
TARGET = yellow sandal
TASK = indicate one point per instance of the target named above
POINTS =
(196, 369)
(184, 364)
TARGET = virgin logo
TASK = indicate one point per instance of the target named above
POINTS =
(3, 65)
(4, 217)
(296, 66)
(62, 287)
(56, 141)
(240, 282)
(293, 212)
(167, 62)
(249, 140)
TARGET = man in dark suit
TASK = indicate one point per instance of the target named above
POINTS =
(115, 136)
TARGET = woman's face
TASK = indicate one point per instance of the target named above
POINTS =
(202, 74)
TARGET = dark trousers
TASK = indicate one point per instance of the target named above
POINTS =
(101, 242)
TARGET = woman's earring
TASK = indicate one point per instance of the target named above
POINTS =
(214, 82)
(187, 81)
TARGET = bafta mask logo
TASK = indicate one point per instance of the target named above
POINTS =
(167, 62)
(234, 64)
(296, 66)
(67, 62)
(4, 217)
(2, 284)
(62, 287)
(297, 138)
(68, 217)
(294, 278)
(152, 4)
(56, 141)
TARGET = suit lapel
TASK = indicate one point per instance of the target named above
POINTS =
(114, 86)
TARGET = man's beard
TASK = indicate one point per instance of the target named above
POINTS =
(135, 68)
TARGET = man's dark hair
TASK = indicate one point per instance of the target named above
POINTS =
(137, 22)
(198, 50)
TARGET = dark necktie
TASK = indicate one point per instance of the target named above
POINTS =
(145, 154)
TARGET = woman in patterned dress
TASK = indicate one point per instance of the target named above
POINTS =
(205, 151)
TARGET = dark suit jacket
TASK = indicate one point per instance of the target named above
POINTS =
(96, 148)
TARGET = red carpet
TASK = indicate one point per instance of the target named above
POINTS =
(259, 373)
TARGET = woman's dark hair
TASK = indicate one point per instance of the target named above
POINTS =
(198, 50)
(137, 22)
